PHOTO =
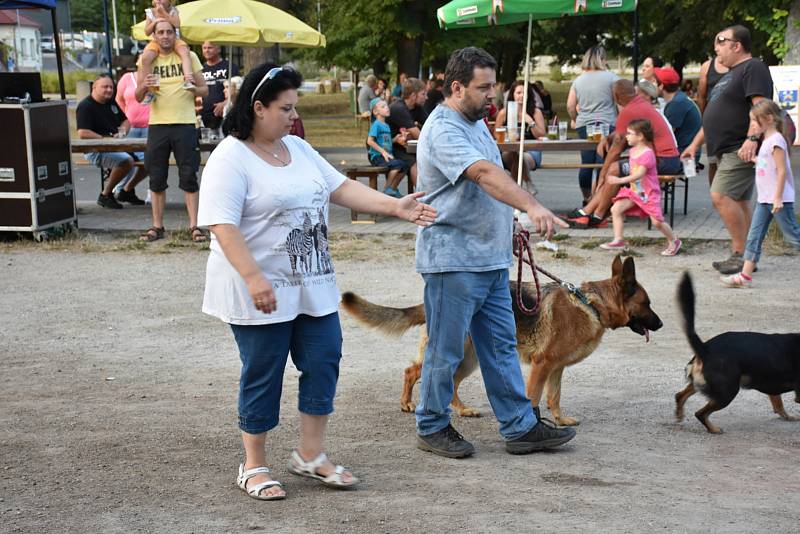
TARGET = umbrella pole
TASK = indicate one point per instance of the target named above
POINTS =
(524, 102)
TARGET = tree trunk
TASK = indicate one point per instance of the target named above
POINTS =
(254, 57)
(379, 67)
(679, 61)
(409, 54)
(792, 38)
(511, 64)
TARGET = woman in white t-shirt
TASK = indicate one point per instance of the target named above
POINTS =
(264, 196)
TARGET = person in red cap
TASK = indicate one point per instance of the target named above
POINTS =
(682, 114)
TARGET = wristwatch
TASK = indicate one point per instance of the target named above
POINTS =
(754, 138)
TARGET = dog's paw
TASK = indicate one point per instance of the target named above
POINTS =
(408, 407)
(466, 411)
(567, 421)
(679, 415)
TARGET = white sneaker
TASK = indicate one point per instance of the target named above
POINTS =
(736, 281)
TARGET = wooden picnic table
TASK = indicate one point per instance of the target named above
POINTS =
(547, 145)
(123, 144)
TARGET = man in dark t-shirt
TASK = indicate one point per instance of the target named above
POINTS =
(406, 117)
(215, 72)
(434, 95)
(730, 138)
(98, 116)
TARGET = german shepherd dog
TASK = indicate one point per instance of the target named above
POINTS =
(562, 333)
(769, 363)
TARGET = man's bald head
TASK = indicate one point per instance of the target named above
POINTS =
(624, 91)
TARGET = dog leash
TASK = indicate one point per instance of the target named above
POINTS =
(522, 244)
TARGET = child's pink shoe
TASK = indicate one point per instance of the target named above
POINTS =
(737, 280)
(673, 249)
(615, 245)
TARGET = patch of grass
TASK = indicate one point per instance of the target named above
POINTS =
(360, 247)
(559, 237)
(313, 105)
(591, 244)
(644, 241)
(560, 254)
(631, 252)
(336, 132)
(774, 243)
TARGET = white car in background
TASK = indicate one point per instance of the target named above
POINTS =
(48, 44)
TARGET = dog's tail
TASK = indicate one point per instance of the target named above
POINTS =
(686, 303)
(391, 321)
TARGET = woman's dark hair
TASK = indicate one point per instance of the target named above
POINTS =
(644, 128)
(657, 61)
(531, 99)
(239, 122)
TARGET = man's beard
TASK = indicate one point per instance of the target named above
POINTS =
(475, 114)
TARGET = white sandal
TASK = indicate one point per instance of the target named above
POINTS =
(300, 467)
(255, 490)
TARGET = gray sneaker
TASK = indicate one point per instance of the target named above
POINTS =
(447, 442)
(732, 265)
(545, 435)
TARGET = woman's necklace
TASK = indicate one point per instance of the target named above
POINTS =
(273, 154)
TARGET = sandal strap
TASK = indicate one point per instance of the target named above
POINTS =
(244, 476)
(311, 466)
(258, 488)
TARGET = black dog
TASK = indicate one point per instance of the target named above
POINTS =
(769, 363)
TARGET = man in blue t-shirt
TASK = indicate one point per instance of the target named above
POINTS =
(683, 114)
(464, 259)
(379, 147)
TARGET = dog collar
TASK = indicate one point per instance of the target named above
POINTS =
(581, 296)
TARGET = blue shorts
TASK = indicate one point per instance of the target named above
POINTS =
(108, 160)
(315, 344)
(393, 164)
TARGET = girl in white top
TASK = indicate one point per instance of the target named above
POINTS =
(264, 196)
(775, 186)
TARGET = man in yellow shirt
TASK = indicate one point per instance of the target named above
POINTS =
(172, 129)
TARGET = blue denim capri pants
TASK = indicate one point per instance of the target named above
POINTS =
(315, 344)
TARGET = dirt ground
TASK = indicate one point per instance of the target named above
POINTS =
(118, 409)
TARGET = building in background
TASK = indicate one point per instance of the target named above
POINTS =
(22, 42)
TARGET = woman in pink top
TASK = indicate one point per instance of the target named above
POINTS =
(775, 186)
(139, 117)
(643, 197)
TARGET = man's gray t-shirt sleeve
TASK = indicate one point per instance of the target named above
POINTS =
(454, 153)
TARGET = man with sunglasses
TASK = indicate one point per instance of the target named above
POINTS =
(172, 129)
(730, 137)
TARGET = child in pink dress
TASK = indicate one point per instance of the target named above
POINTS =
(643, 197)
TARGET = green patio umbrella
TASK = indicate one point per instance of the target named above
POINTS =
(479, 13)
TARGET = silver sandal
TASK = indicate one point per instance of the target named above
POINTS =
(300, 467)
(255, 490)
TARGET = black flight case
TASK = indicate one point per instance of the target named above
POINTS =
(36, 188)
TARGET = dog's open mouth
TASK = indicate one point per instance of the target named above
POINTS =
(641, 330)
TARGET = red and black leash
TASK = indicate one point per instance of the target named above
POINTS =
(521, 245)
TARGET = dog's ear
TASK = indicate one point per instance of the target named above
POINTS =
(616, 266)
(629, 276)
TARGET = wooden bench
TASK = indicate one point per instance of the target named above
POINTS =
(104, 172)
(371, 173)
(667, 182)
(570, 166)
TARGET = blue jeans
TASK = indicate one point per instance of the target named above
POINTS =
(537, 157)
(585, 176)
(762, 217)
(316, 347)
(478, 304)
(109, 160)
(137, 133)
